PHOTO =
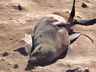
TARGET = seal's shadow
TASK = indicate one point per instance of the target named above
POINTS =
(31, 66)
(22, 51)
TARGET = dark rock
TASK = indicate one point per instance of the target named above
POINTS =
(19, 7)
(84, 5)
(86, 70)
(78, 70)
(16, 66)
(5, 54)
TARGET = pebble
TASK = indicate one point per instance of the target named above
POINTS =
(78, 69)
(5, 54)
(19, 7)
(78, 0)
(79, 17)
(88, 0)
(16, 66)
(84, 5)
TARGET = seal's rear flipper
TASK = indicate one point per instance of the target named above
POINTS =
(75, 35)
(88, 37)
(85, 22)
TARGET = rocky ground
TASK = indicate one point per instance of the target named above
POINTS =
(15, 22)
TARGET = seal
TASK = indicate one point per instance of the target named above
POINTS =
(50, 39)
(53, 35)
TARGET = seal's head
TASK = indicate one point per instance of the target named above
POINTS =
(42, 54)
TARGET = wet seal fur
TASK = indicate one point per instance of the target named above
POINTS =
(53, 35)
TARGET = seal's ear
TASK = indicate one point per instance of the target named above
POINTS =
(72, 14)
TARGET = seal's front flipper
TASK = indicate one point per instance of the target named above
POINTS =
(32, 47)
(28, 42)
(72, 14)
(85, 22)
(74, 36)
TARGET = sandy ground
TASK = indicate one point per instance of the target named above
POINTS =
(15, 23)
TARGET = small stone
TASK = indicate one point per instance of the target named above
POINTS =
(3, 24)
(19, 7)
(84, 5)
(88, 0)
(78, 0)
(79, 17)
(5, 54)
(86, 69)
(16, 66)
(11, 38)
(51, 6)
(3, 59)
(21, 21)
(67, 11)
(78, 69)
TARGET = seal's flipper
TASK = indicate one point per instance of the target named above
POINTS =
(85, 22)
(28, 41)
(88, 37)
(74, 36)
(32, 47)
(72, 14)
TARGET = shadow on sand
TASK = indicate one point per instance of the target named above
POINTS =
(22, 51)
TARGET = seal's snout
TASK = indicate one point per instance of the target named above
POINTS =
(32, 60)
